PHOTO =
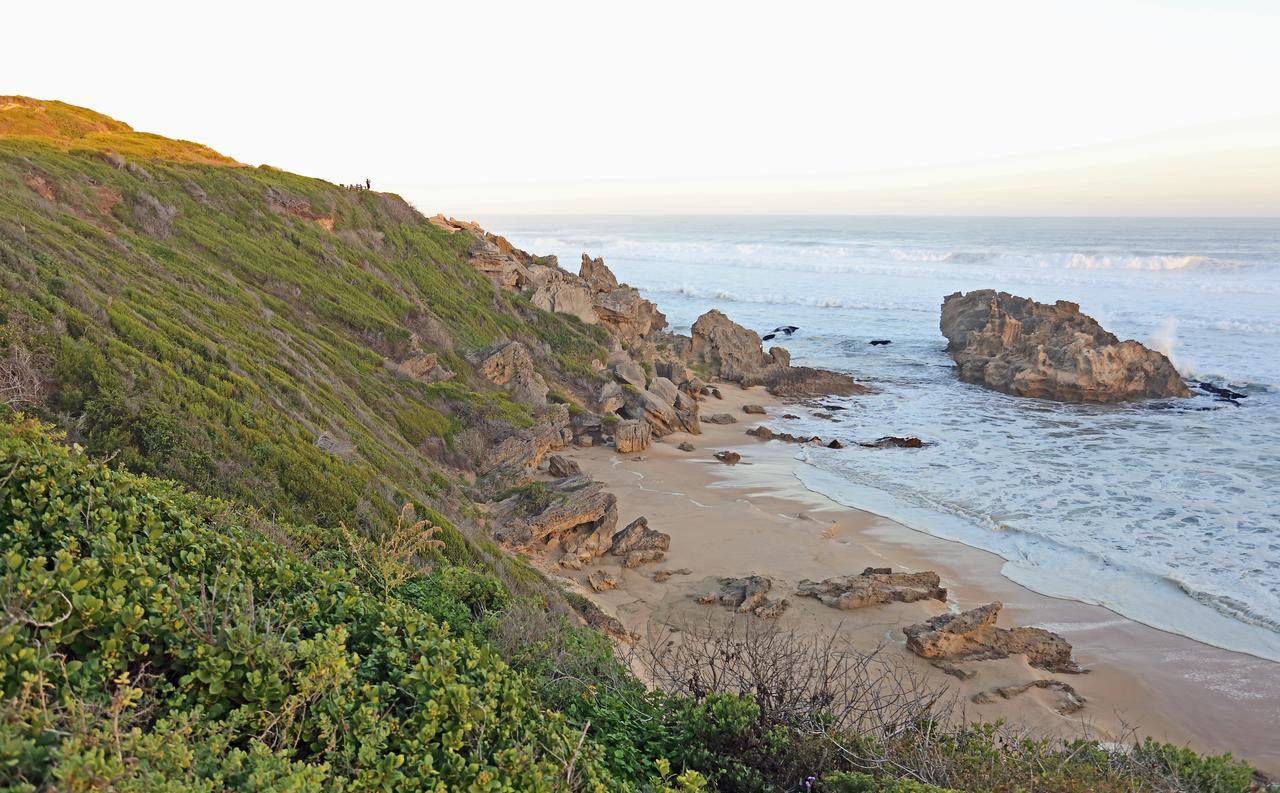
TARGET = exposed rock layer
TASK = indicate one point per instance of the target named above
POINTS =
(973, 635)
(873, 586)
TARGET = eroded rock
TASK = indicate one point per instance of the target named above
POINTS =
(560, 467)
(973, 635)
(509, 365)
(632, 436)
(748, 595)
(570, 519)
(601, 581)
(637, 544)
(874, 586)
(1021, 347)
(1069, 700)
(728, 458)
(720, 418)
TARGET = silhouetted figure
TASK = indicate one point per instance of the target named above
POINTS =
(367, 185)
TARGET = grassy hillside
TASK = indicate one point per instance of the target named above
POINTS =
(239, 548)
(210, 323)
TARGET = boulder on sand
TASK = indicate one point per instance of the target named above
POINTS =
(632, 436)
(1021, 347)
(572, 520)
(874, 586)
(636, 543)
(748, 595)
(973, 635)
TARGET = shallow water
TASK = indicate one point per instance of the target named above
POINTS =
(1167, 513)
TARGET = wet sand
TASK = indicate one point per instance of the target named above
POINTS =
(757, 518)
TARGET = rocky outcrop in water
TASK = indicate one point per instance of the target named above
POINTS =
(1021, 347)
(873, 586)
(973, 635)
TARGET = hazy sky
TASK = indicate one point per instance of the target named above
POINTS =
(474, 108)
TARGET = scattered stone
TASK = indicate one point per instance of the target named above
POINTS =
(880, 342)
(835, 444)
(637, 543)
(1021, 347)
(715, 392)
(790, 416)
(662, 575)
(685, 446)
(560, 467)
(748, 595)
(894, 442)
(632, 436)
(753, 409)
(720, 418)
(973, 635)
(874, 586)
(601, 581)
(728, 458)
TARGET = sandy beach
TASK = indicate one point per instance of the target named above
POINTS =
(755, 517)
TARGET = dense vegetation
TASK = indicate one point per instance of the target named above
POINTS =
(292, 615)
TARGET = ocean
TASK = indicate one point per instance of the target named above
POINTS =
(1167, 512)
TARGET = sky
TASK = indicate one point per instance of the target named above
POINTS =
(1126, 107)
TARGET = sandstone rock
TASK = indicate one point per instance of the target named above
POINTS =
(423, 367)
(597, 275)
(766, 434)
(510, 366)
(748, 595)
(973, 635)
(665, 390)
(675, 371)
(753, 409)
(1025, 348)
(627, 314)
(562, 296)
(734, 353)
(627, 371)
(514, 459)
(638, 544)
(728, 458)
(574, 519)
(873, 587)
(601, 581)
(611, 398)
(663, 417)
(561, 467)
(730, 349)
(685, 446)
(720, 418)
(632, 436)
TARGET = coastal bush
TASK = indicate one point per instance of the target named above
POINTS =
(154, 641)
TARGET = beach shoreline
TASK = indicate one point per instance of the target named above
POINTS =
(757, 518)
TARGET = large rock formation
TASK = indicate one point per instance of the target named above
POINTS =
(632, 436)
(571, 521)
(873, 586)
(1025, 348)
(973, 635)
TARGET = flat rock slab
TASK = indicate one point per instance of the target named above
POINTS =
(874, 586)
